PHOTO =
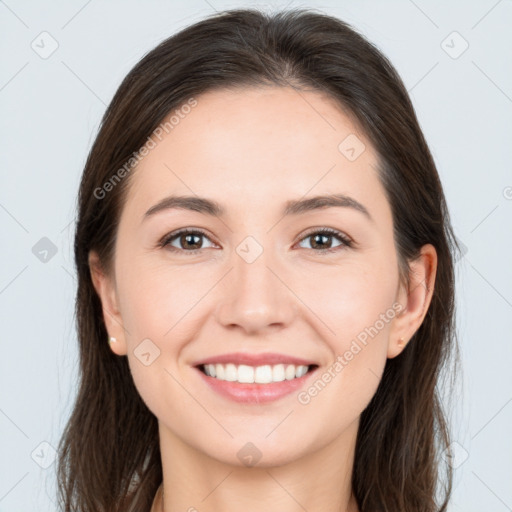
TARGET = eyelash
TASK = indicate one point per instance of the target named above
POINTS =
(167, 239)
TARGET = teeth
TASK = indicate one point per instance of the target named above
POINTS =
(290, 372)
(245, 374)
(259, 374)
(230, 372)
(278, 373)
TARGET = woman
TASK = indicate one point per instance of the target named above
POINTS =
(266, 291)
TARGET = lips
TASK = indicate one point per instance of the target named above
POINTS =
(262, 359)
(252, 392)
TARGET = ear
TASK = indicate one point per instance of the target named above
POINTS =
(106, 290)
(415, 299)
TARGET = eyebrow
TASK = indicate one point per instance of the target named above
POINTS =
(292, 207)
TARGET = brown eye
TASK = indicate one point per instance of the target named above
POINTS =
(322, 240)
(186, 240)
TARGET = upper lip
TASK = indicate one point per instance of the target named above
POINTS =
(266, 358)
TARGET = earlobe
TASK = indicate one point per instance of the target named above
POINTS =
(117, 347)
(416, 299)
(105, 288)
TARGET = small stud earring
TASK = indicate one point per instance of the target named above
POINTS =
(401, 342)
(111, 340)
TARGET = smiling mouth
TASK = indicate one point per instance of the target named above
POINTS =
(265, 374)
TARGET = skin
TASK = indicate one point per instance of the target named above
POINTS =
(252, 150)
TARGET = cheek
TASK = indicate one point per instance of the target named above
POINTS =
(359, 316)
(160, 307)
(156, 298)
(355, 302)
(351, 297)
(341, 392)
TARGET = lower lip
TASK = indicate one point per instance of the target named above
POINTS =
(255, 393)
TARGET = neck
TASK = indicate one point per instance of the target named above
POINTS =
(319, 481)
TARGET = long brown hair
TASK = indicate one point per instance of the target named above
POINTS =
(109, 455)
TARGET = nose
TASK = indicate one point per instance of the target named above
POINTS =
(255, 297)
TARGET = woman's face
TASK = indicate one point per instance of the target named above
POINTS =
(260, 280)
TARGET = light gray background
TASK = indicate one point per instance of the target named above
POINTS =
(51, 108)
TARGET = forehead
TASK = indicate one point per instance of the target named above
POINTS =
(266, 142)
